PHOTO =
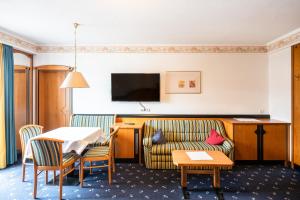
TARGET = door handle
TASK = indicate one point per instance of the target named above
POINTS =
(297, 77)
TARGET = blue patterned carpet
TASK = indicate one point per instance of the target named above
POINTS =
(132, 181)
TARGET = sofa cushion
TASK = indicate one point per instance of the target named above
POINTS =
(158, 137)
(215, 138)
(163, 149)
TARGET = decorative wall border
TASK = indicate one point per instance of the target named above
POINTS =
(284, 42)
(19, 43)
(153, 49)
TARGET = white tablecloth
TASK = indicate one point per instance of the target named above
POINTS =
(75, 138)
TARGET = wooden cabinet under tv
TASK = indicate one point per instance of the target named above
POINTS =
(128, 141)
(260, 140)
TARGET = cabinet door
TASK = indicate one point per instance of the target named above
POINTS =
(275, 142)
(245, 142)
(124, 143)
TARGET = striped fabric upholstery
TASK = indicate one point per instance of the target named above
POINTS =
(46, 153)
(184, 130)
(27, 132)
(181, 135)
(103, 121)
(70, 157)
(99, 151)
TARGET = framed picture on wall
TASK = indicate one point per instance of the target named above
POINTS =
(183, 82)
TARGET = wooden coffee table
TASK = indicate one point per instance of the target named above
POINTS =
(182, 160)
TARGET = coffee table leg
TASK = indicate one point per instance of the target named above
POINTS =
(183, 177)
(216, 182)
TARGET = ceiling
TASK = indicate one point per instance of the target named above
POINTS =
(135, 22)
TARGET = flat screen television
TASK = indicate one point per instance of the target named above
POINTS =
(135, 87)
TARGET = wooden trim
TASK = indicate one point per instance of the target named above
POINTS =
(31, 108)
(54, 67)
(292, 105)
(29, 55)
(267, 116)
(195, 171)
(21, 67)
(258, 116)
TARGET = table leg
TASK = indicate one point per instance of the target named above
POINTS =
(216, 182)
(183, 177)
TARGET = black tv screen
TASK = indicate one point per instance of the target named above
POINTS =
(135, 87)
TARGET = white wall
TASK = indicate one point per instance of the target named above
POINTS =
(280, 84)
(21, 59)
(231, 83)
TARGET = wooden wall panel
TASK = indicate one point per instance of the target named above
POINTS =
(296, 102)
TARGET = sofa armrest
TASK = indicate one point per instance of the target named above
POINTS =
(228, 144)
(147, 141)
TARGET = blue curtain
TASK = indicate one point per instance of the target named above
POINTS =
(10, 133)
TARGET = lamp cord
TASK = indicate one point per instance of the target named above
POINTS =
(75, 45)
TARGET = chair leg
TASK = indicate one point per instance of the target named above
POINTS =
(35, 183)
(54, 176)
(23, 171)
(91, 170)
(46, 176)
(109, 171)
(61, 179)
(81, 171)
(113, 165)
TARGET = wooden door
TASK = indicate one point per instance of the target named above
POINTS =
(21, 99)
(54, 103)
(296, 102)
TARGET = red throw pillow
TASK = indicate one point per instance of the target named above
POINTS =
(215, 138)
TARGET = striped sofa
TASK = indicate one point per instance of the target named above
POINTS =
(181, 134)
(103, 121)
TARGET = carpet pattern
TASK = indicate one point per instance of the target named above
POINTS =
(132, 181)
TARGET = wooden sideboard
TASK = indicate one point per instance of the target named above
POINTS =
(264, 139)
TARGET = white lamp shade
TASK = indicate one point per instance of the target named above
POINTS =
(74, 80)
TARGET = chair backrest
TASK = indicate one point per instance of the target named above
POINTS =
(47, 152)
(27, 132)
(103, 121)
(184, 130)
(112, 138)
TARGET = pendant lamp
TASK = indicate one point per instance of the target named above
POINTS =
(75, 79)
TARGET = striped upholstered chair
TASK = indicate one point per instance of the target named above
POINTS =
(26, 133)
(103, 121)
(99, 153)
(47, 155)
